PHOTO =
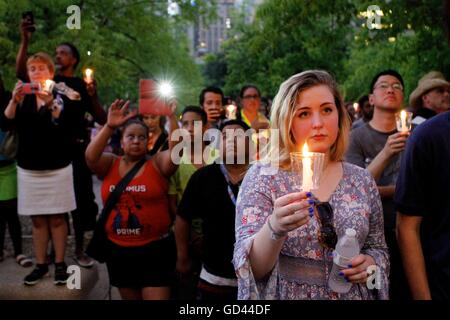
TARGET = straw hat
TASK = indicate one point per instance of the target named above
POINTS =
(431, 80)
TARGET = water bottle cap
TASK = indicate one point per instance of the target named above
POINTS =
(350, 232)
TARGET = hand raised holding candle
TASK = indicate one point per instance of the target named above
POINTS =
(91, 84)
(91, 88)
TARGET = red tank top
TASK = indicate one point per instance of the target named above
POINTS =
(142, 213)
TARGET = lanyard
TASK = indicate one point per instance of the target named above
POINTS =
(227, 179)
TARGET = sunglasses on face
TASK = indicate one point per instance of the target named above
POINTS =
(327, 235)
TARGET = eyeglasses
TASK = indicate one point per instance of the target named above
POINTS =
(385, 85)
(327, 233)
(255, 97)
(132, 137)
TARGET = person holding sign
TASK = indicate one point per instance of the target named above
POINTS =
(152, 107)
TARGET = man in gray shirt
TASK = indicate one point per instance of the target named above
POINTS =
(377, 146)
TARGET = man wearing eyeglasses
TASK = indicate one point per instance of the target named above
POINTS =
(377, 146)
(432, 96)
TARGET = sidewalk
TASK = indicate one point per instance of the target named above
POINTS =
(94, 282)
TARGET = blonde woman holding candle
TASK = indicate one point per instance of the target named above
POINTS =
(285, 238)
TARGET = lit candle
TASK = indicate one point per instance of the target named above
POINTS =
(307, 171)
(403, 119)
(231, 112)
(48, 86)
(355, 106)
(88, 75)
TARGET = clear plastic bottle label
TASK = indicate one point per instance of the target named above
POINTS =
(341, 260)
(340, 263)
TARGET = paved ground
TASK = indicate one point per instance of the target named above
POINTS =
(94, 282)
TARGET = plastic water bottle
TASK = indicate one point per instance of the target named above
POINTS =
(346, 248)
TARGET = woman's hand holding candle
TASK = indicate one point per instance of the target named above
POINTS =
(291, 211)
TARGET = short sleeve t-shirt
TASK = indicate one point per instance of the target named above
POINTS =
(179, 180)
(423, 189)
(365, 144)
(206, 197)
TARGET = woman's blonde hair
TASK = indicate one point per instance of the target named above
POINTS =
(282, 141)
(43, 58)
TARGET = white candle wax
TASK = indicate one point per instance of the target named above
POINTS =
(403, 120)
(307, 171)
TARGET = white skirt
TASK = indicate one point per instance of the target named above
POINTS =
(45, 192)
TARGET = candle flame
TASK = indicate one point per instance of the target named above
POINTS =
(355, 106)
(48, 85)
(231, 107)
(403, 115)
(305, 149)
(88, 72)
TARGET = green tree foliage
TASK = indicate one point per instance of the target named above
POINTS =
(215, 69)
(128, 40)
(289, 36)
(412, 41)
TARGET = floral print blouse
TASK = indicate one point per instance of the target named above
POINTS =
(303, 267)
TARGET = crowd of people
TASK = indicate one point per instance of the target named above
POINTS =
(224, 223)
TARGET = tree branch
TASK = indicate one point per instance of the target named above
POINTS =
(142, 71)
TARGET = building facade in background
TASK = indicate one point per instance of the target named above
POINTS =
(208, 37)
